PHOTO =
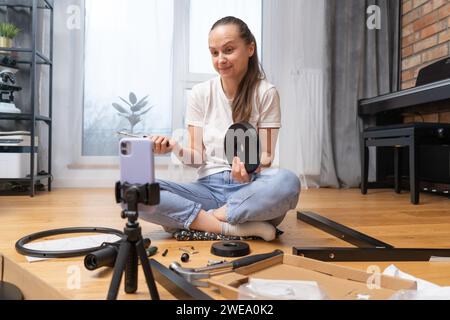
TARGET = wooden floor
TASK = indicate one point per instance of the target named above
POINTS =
(381, 214)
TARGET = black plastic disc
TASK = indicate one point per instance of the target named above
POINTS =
(9, 291)
(242, 140)
(230, 249)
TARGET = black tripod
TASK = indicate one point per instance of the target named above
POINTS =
(132, 245)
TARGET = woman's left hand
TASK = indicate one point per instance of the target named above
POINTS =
(239, 173)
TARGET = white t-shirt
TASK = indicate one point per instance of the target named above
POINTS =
(209, 108)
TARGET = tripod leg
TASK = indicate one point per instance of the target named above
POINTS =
(147, 270)
(131, 271)
(119, 268)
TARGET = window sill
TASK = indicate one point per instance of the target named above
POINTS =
(111, 164)
(85, 166)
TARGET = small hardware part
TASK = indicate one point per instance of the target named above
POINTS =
(189, 250)
(151, 251)
(215, 262)
(185, 257)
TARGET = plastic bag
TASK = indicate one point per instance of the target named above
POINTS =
(440, 293)
(260, 289)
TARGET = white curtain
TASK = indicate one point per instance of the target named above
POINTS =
(67, 90)
(128, 51)
(294, 35)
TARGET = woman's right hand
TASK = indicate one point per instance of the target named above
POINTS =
(162, 144)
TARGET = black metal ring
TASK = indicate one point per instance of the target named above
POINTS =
(20, 245)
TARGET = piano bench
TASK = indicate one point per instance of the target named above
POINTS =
(410, 135)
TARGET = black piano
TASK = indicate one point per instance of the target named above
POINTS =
(433, 94)
(391, 109)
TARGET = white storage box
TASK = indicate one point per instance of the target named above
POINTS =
(15, 156)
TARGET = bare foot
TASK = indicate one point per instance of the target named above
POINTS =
(221, 213)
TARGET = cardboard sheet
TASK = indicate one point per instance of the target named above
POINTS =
(338, 283)
(32, 287)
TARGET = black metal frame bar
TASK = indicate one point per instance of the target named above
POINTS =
(371, 254)
(179, 287)
(340, 231)
(33, 78)
(36, 58)
(368, 248)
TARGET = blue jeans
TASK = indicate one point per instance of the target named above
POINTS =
(268, 197)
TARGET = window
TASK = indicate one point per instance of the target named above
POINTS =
(128, 71)
(148, 51)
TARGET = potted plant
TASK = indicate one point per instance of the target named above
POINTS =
(137, 110)
(7, 32)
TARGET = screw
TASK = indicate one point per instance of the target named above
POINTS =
(190, 250)
(215, 262)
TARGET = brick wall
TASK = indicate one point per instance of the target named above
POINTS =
(425, 39)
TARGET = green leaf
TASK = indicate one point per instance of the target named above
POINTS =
(126, 101)
(142, 100)
(8, 30)
(134, 120)
(119, 108)
(139, 107)
(144, 112)
(133, 98)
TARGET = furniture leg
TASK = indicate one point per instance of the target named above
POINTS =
(397, 169)
(413, 172)
(364, 166)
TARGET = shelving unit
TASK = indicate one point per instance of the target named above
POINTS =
(33, 57)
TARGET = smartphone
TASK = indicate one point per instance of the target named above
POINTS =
(137, 167)
(136, 161)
